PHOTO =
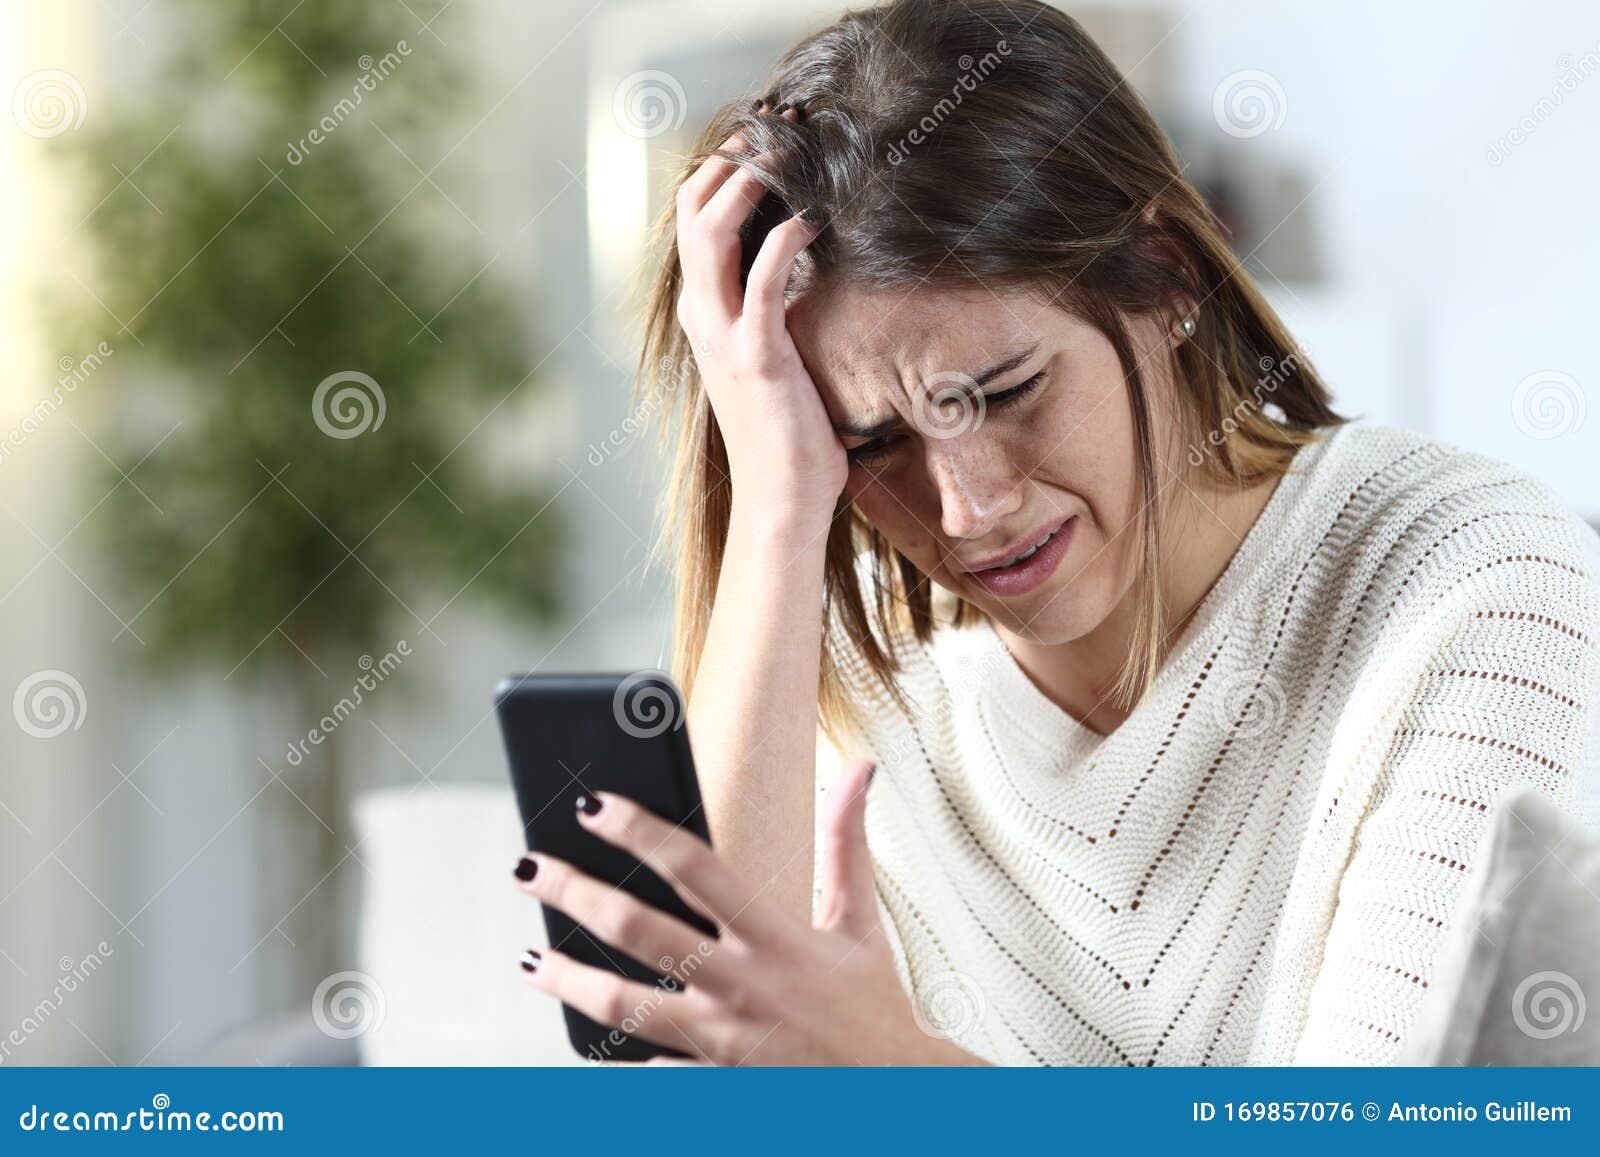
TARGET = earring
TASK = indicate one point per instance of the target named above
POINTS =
(1188, 327)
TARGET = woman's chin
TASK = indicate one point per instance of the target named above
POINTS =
(1049, 620)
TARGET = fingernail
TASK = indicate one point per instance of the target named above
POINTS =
(588, 805)
(755, 105)
(530, 960)
(527, 868)
(872, 771)
(812, 216)
(781, 109)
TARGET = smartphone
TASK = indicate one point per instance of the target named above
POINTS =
(568, 735)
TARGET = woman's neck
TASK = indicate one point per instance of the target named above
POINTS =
(1207, 529)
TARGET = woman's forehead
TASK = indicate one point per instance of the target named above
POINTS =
(866, 344)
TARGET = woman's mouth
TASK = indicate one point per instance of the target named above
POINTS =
(1028, 568)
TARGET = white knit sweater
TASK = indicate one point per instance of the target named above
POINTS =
(1259, 865)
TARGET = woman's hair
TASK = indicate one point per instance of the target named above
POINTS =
(956, 144)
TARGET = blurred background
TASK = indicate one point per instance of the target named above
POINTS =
(317, 337)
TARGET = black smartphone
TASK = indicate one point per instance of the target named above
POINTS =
(567, 735)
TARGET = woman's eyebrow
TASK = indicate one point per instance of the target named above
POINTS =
(949, 382)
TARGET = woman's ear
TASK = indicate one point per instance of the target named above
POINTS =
(1181, 319)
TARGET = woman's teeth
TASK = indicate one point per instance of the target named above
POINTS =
(1029, 553)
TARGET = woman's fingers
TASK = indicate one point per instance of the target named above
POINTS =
(712, 206)
(709, 246)
(672, 1019)
(683, 860)
(704, 181)
(618, 917)
(769, 276)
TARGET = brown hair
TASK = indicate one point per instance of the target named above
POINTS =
(948, 142)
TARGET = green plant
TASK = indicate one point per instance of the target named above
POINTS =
(312, 344)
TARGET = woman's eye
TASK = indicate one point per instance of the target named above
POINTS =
(878, 451)
(870, 454)
(1016, 393)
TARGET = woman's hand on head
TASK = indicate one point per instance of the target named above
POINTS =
(769, 989)
(783, 454)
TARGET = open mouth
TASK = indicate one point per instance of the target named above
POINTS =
(1029, 568)
(1018, 560)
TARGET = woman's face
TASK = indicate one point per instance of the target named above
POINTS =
(980, 426)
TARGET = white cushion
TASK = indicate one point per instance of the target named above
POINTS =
(1522, 958)
(441, 926)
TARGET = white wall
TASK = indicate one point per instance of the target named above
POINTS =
(1473, 274)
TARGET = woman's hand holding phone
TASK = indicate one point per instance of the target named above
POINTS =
(770, 989)
(783, 454)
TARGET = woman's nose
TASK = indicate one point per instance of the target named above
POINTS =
(974, 493)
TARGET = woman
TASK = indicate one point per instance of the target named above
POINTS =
(1188, 700)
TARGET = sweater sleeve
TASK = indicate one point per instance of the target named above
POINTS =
(1511, 697)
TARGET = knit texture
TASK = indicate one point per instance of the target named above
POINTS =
(1259, 865)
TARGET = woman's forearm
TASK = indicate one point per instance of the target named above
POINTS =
(753, 710)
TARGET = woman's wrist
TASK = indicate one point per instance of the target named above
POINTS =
(790, 527)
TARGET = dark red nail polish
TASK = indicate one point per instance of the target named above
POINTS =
(530, 960)
(527, 868)
(755, 105)
(588, 805)
(781, 109)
